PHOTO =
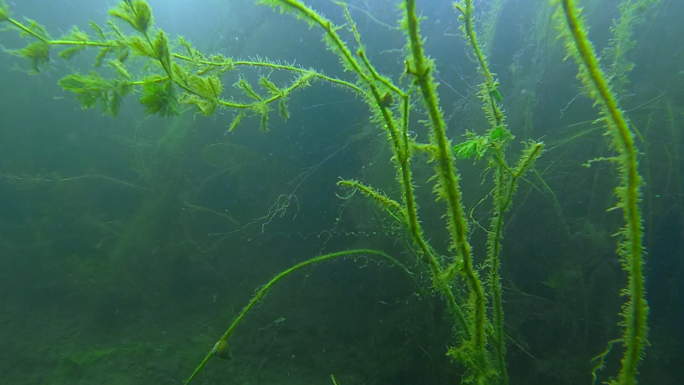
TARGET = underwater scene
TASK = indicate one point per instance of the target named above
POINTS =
(341, 192)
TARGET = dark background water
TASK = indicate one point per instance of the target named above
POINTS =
(128, 245)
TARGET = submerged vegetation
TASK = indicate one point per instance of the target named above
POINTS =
(173, 78)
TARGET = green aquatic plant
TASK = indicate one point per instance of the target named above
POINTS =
(93, 89)
(635, 310)
(172, 79)
(177, 75)
(506, 179)
(195, 78)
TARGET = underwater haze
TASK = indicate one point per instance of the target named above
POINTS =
(357, 192)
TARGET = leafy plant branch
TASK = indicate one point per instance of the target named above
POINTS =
(193, 80)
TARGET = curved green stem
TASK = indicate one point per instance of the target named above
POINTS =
(264, 290)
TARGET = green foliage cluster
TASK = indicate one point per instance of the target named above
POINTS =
(93, 89)
(173, 78)
(38, 52)
(476, 146)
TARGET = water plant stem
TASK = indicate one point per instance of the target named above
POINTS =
(635, 311)
(264, 290)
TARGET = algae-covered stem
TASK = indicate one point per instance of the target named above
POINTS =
(503, 188)
(635, 311)
(421, 67)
